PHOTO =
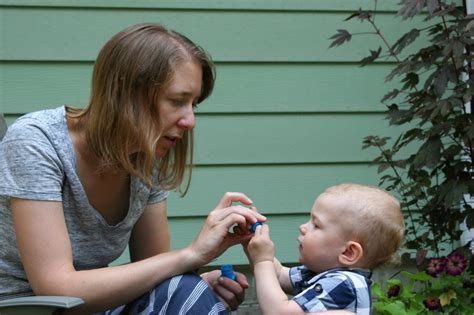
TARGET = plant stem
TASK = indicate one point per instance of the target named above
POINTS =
(377, 31)
(402, 184)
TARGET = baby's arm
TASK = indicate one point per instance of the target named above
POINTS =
(268, 273)
(283, 275)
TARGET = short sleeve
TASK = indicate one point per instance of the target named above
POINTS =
(332, 292)
(29, 165)
(157, 193)
(299, 277)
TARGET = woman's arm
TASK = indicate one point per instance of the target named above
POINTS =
(46, 254)
(151, 233)
(150, 237)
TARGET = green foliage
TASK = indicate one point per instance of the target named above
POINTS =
(436, 83)
(434, 181)
(421, 293)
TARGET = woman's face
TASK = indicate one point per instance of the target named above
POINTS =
(176, 105)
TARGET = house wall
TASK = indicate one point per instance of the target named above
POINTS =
(288, 114)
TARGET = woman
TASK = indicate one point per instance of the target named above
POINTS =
(77, 186)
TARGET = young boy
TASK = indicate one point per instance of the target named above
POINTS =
(352, 229)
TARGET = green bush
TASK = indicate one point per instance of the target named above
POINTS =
(435, 181)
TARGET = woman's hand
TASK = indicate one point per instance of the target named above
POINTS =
(260, 247)
(215, 236)
(230, 292)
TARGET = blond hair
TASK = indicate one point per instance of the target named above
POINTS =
(130, 71)
(371, 217)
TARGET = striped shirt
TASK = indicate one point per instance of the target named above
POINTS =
(335, 289)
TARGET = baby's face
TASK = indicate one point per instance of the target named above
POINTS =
(321, 238)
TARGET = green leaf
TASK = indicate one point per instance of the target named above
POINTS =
(411, 80)
(429, 153)
(458, 48)
(470, 131)
(361, 15)
(339, 38)
(432, 5)
(396, 308)
(420, 276)
(377, 289)
(382, 167)
(390, 95)
(402, 67)
(393, 281)
(441, 81)
(374, 54)
(405, 40)
(452, 151)
(410, 8)
(452, 191)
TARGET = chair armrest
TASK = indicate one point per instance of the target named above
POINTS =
(3, 126)
(38, 304)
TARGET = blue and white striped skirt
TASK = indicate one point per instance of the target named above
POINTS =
(182, 294)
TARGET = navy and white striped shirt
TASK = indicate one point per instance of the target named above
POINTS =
(335, 289)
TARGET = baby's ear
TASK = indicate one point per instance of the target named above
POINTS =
(352, 254)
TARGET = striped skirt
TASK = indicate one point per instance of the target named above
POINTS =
(182, 294)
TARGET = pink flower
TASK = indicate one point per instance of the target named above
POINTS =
(436, 266)
(432, 303)
(455, 264)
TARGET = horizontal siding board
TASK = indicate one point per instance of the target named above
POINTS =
(283, 231)
(47, 85)
(78, 34)
(288, 114)
(309, 138)
(320, 5)
(274, 189)
(283, 139)
(240, 88)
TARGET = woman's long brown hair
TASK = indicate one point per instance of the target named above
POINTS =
(131, 70)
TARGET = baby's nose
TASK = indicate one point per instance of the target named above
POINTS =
(303, 228)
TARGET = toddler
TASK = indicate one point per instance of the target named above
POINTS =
(352, 230)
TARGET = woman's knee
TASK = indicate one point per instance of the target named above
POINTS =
(182, 294)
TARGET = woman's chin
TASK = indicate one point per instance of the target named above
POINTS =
(161, 152)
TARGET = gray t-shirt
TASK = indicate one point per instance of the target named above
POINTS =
(37, 162)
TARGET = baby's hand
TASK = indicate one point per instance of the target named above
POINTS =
(260, 247)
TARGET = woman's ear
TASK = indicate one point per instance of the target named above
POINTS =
(352, 254)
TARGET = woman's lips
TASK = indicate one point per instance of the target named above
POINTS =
(171, 140)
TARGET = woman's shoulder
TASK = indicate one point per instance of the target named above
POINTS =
(37, 125)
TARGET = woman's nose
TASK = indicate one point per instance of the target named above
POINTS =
(187, 121)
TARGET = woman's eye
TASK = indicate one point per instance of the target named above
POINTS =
(178, 102)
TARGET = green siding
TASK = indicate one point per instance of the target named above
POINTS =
(287, 116)
(230, 35)
(261, 87)
(291, 5)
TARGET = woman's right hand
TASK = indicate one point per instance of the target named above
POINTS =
(215, 237)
